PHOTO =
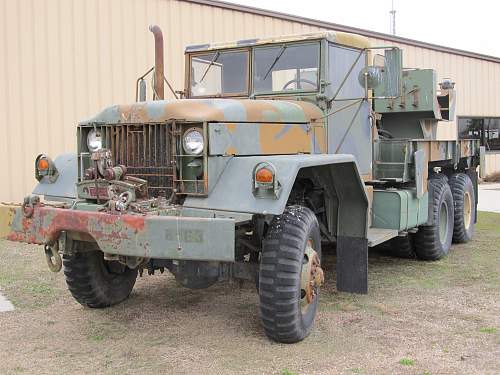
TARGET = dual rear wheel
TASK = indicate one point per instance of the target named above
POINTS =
(451, 216)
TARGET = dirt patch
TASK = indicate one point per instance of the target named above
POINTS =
(418, 318)
(492, 177)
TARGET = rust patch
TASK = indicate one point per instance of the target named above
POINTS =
(47, 223)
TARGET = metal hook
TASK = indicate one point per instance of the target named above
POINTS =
(53, 258)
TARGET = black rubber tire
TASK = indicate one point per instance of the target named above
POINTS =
(428, 244)
(280, 275)
(91, 282)
(400, 247)
(461, 185)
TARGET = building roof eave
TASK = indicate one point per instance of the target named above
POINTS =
(344, 28)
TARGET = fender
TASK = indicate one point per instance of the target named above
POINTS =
(64, 188)
(233, 192)
(233, 189)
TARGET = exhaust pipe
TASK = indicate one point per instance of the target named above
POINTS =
(159, 76)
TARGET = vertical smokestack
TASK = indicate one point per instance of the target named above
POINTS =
(155, 29)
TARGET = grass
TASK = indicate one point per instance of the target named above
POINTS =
(488, 222)
(288, 372)
(40, 288)
(487, 330)
(96, 338)
(406, 362)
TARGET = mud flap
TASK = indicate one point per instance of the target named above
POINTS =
(352, 264)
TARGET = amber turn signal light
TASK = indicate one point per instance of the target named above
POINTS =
(43, 164)
(264, 175)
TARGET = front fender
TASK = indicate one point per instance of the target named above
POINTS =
(64, 187)
(233, 190)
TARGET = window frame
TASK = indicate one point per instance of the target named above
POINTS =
(286, 92)
(190, 57)
(482, 139)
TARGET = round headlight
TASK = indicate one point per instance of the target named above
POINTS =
(94, 140)
(193, 142)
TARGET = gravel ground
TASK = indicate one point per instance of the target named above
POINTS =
(418, 318)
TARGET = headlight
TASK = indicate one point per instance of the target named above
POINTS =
(193, 142)
(94, 140)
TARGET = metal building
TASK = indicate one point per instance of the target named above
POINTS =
(64, 60)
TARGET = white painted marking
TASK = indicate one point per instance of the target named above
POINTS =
(489, 198)
(5, 304)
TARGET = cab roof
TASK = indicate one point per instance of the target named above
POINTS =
(348, 39)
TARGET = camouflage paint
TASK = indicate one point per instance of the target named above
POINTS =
(278, 126)
(346, 39)
(209, 110)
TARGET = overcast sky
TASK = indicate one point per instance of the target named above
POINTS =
(469, 25)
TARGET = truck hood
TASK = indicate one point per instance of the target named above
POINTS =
(217, 110)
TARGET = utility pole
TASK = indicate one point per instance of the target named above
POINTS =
(393, 19)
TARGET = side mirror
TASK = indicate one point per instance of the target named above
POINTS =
(393, 71)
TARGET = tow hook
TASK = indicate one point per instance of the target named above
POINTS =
(54, 260)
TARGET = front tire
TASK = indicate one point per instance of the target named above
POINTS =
(290, 275)
(433, 242)
(464, 205)
(95, 282)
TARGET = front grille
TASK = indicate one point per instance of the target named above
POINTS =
(146, 152)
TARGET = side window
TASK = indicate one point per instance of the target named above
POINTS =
(341, 60)
(286, 68)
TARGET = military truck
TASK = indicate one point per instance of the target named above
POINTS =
(274, 148)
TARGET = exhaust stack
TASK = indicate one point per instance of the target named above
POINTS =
(159, 93)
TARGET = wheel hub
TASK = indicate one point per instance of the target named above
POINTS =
(312, 273)
(467, 210)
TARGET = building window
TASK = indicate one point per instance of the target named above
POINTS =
(487, 129)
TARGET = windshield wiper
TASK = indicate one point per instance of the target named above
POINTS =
(278, 56)
(216, 56)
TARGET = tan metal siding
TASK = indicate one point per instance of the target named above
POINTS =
(64, 60)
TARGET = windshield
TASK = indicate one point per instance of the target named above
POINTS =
(219, 74)
(286, 68)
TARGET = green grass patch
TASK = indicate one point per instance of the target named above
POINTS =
(40, 288)
(288, 372)
(488, 221)
(487, 330)
(96, 338)
(406, 362)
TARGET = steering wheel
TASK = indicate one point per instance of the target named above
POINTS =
(297, 81)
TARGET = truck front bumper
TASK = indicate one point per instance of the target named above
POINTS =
(148, 236)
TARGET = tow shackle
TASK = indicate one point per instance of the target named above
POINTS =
(52, 256)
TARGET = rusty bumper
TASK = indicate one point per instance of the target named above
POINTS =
(150, 236)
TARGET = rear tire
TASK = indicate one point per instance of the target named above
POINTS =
(464, 207)
(400, 247)
(286, 315)
(433, 242)
(95, 282)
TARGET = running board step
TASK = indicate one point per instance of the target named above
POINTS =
(378, 235)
